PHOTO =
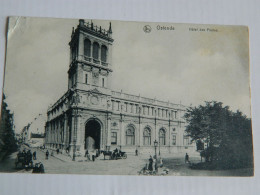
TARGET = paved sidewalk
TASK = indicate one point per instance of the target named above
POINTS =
(62, 157)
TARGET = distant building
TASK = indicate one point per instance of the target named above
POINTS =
(33, 133)
(90, 115)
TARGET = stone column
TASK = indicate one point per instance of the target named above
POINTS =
(141, 128)
(72, 136)
(120, 133)
(65, 131)
(81, 47)
(109, 130)
(109, 51)
(91, 50)
(122, 130)
(58, 132)
(138, 137)
(169, 134)
(99, 53)
(50, 133)
(78, 130)
(54, 132)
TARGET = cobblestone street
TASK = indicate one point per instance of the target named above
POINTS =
(63, 164)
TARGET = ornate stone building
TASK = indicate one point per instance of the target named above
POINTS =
(91, 115)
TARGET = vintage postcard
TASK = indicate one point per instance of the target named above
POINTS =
(126, 98)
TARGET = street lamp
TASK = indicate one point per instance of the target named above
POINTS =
(74, 152)
(155, 146)
(159, 148)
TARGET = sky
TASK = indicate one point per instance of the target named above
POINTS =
(177, 65)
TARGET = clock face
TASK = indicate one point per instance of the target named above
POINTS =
(94, 100)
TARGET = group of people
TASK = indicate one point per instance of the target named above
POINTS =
(116, 153)
(154, 163)
(92, 155)
(52, 153)
(27, 156)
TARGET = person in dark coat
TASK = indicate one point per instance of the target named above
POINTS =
(34, 155)
(150, 166)
(136, 152)
(29, 156)
(87, 155)
(47, 154)
(187, 158)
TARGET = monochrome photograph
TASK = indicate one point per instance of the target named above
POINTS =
(105, 97)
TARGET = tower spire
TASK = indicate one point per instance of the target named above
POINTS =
(92, 25)
(72, 31)
(110, 29)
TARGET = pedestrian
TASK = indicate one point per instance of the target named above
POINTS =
(97, 152)
(136, 152)
(87, 155)
(187, 158)
(58, 151)
(93, 156)
(161, 162)
(47, 154)
(150, 166)
(29, 156)
(115, 152)
(34, 155)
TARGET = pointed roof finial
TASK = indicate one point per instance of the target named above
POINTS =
(110, 28)
(81, 22)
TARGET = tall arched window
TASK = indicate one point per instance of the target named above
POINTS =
(103, 53)
(87, 45)
(162, 137)
(147, 136)
(130, 135)
(95, 50)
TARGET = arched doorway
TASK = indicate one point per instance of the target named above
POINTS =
(92, 135)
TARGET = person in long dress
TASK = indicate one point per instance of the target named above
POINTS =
(150, 166)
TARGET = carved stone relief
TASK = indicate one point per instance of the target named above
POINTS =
(95, 77)
(94, 100)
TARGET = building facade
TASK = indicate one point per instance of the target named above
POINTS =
(34, 131)
(90, 115)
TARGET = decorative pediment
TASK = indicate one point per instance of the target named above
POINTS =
(94, 91)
